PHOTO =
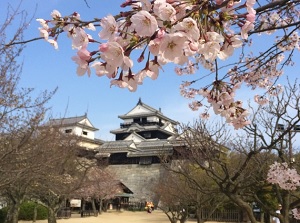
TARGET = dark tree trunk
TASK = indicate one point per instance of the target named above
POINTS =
(100, 205)
(262, 217)
(94, 208)
(13, 213)
(34, 213)
(51, 216)
(184, 216)
(13, 209)
(245, 206)
(172, 216)
(199, 219)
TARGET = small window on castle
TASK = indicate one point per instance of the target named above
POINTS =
(68, 130)
(84, 133)
(136, 120)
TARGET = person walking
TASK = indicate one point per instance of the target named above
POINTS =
(278, 211)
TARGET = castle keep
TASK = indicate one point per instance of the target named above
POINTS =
(143, 137)
(134, 156)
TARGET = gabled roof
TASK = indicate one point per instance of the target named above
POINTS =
(154, 147)
(154, 143)
(135, 137)
(138, 128)
(142, 109)
(81, 121)
(117, 146)
(126, 191)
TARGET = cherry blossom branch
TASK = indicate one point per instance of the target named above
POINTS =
(189, 34)
(272, 5)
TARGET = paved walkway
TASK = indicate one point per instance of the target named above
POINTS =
(117, 217)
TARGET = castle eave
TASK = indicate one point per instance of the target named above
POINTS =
(149, 153)
(105, 155)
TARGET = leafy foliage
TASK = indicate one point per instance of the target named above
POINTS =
(27, 211)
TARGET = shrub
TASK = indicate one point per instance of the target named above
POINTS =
(27, 210)
(3, 213)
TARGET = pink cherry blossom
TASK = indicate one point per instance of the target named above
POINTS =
(43, 23)
(128, 81)
(189, 27)
(215, 37)
(90, 26)
(287, 178)
(296, 213)
(195, 105)
(55, 14)
(127, 63)
(250, 17)
(261, 100)
(219, 2)
(44, 33)
(164, 10)
(154, 46)
(275, 90)
(151, 71)
(229, 47)
(146, 5)
(112, 53)
(118, 83)
(84, 54)
(171, 47)
(144, 23)
(53, 43)
(209, 50)
(205, 115)
(250, 4)
(104, 69)
(225, 99)
(154, 68)
(79, 38)
(75, 16)
(109, 27)
(131, 82)
(82, 67)
(248, 26)
(178, 71)
(187, 34)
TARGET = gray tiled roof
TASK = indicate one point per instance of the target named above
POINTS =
(152, 152)
(71, 121)
(154, 144)
(126, 145)
(152, 111)
(134, 149)
(141, 128)
(67, 121)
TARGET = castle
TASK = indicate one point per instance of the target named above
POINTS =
(134, 156)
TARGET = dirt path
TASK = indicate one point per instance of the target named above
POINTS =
(117, 217)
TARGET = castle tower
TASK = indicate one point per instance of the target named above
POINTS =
(134, 157)
(80, 126)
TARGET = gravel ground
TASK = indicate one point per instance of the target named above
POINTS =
(116, 217)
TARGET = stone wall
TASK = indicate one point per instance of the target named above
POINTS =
(139, 179)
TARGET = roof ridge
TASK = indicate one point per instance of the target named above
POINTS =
(81, 116)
